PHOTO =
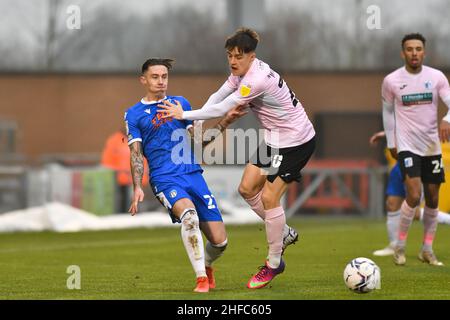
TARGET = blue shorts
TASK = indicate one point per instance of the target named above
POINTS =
(170, 189)
(395, 186)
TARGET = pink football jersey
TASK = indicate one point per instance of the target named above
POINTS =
(415, 98)
(279, 112)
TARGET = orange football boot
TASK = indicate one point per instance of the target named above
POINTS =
(210, 274)
(202, 284)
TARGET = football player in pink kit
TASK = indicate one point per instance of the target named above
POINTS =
(289, 135)
(410, 109)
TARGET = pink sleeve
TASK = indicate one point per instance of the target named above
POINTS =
(443, 87)
(386, 92)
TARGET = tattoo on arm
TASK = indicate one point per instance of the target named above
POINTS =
(137, 163)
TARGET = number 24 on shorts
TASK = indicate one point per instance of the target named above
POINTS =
(438, 165)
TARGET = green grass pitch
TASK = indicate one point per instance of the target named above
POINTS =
(152, 264)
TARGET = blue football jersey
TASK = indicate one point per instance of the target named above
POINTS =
(165, 142)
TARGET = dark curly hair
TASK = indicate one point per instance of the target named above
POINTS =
(413, 36)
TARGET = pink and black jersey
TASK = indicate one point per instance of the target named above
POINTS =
(415, 98)
(279, 112)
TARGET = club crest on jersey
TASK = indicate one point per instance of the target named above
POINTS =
(245, 90)
(428, 85)
(173, 193)
(408, 162)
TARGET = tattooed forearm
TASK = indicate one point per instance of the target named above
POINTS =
(137, 164)
(220, 126)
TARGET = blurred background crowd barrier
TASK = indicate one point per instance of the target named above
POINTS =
(353, 185)
(64, 90)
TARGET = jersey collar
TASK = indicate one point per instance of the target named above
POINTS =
(413, 74)
(250, 70)
(152, 102)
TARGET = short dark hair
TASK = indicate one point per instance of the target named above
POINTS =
(413, 36)
(244, 39)
(168, 63)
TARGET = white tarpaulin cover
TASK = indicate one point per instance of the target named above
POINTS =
(60, 217)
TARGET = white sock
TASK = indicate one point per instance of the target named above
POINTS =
(421, 214)
(193, 241)
(214, 252)
(392, 222)
(443, 217)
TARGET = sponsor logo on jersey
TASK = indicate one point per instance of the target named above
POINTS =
(417, 98)
(173, 193)
(245, 90)
(403, 86)
(158, 120)
(147, 111)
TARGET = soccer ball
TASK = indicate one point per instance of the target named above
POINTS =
(362, 275)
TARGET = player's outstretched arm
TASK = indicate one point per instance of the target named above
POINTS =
(170, 110)
(137, 172)
(231, 116)
(220, 95)
(376, 137)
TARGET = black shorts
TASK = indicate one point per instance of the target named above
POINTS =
(285, 163)
(430, 169)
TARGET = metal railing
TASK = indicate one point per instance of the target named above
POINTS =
(356, 185)
(12, 187)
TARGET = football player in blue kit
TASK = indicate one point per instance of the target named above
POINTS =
(175, 177)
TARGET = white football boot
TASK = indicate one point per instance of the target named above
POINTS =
(430, 258)
(291, 237)
(388, 251)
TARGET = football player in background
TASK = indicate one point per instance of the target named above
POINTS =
(395, 195)
(410, 108)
